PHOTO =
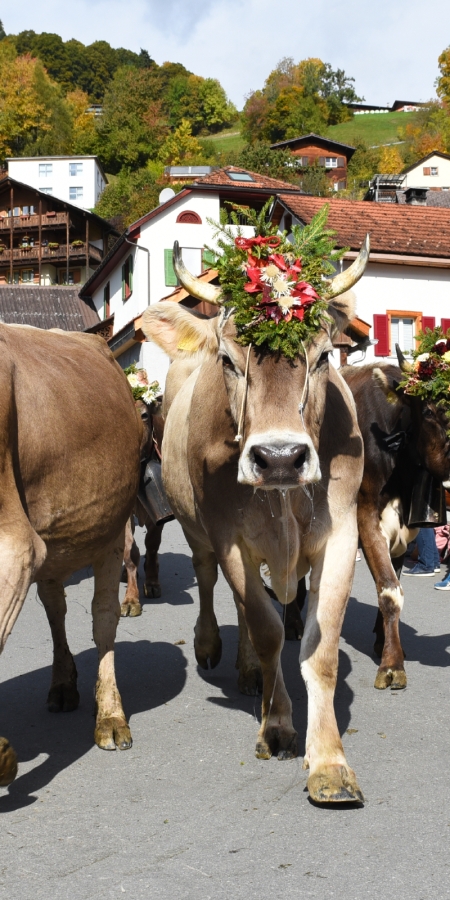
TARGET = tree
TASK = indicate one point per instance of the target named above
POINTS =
(443, 81)
(131, 195)
(181, 146)
(24, 114)
(84, 132)
(391, 163)
(296, 98)
(258, 157)
(315, 181)
(2, 31)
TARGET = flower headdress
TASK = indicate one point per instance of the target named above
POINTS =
(141, 389)
(429, 375)
(276, 286)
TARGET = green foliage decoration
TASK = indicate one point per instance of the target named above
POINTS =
(430, 375)
(283, 325)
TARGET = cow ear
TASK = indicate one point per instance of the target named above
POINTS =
(177, 331)
(380, 378)
(342, 309)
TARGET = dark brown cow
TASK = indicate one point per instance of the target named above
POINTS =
(282, 493)
(70, 441)
(403, 436)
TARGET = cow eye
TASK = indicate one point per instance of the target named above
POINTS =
(428, 413)
(323, 358)
(226, 362)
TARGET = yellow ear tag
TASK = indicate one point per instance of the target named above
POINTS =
(189, 344)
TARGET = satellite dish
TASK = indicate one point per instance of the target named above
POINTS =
(165, 195)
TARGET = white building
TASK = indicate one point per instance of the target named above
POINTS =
(138, 270)
(432, 172)
(406, 285)
(79, 180)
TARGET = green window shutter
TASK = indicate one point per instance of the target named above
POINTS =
(209, 258)
(123, 283)
(130, 275)
(170, 277)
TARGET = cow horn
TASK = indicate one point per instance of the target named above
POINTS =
(403, 363)
(345, 280)
(201, 290)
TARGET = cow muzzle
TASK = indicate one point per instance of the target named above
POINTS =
(278, 462)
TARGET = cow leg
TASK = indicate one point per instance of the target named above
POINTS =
(330, 779)
(207, 640)
(293, 624)
(153, 537)
(391, 672)
(111, 729)
(131, 605)
(250, 675)
(63, 695)
(22, 552)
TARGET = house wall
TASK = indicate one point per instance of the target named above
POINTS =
(420, 290)
(313, 153)
(416, 177)
(159, 235)
(90, 179)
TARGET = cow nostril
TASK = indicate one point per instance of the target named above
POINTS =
(260, 462)
(300, 461)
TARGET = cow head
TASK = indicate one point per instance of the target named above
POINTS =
(277, 405)
(428, 423)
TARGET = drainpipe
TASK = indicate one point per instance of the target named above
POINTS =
(132, 244)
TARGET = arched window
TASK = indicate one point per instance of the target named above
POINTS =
(189, 217)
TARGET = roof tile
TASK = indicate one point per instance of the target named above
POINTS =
(46, 307)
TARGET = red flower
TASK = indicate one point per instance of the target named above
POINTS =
(249, 243)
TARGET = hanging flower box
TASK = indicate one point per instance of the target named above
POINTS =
(77, 243)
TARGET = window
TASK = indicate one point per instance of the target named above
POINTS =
(171, 279)
(209, 259)
(28, 210)
(27, 276)
(331, 162)
(75, 193)
(402, 333)
(46, 190)
(189, 217)
(127, 278)
(75, 168)
(106, 301)
(45, 170)
(240, 176)
(434, 170)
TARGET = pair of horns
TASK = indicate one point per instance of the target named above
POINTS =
(201, 290)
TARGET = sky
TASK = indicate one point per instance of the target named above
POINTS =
(390, 47)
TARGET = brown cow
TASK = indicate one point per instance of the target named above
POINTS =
(70, 440)
(284, 494)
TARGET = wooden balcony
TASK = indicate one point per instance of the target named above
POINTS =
(49, 220)
(50, 254)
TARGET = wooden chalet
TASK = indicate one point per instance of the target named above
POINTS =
(309, 149)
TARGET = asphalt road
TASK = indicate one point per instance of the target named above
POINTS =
(189, 812)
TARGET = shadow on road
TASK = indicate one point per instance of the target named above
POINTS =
(427, 649)
(148, 675)
(176, 576)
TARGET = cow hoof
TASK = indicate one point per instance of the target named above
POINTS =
(8, 763)
(250, 682)
(152, 590)
(334, 784)
(280, 742)
(130, 608)
(208, 650)
(111, 733)
(63, 698)
(393, 678)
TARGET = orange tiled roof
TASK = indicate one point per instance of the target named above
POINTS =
(219, 176)
(393, 228)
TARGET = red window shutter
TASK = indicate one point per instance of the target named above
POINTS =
(381, 334)
(341, 162)
(426, 170)
(445, 324)
(428, 322)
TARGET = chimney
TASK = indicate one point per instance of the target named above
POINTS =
(416, 196)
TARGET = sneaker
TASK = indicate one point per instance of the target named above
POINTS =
(419, 570)
(358, 557)
(437, 569)
(443, 585)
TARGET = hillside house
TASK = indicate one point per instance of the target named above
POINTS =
(138, 269)
(46, 241)
(406, 286)
(431, 172)
(332, 155)
(80, 180)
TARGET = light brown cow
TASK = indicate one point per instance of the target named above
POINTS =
(69, 451)
(284, 494)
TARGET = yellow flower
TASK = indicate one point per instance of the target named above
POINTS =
(446, 356)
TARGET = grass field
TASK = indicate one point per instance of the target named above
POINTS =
(373, 129)
(228, 140)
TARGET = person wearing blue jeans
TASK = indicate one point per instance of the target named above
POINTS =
(428, 562)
